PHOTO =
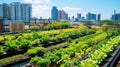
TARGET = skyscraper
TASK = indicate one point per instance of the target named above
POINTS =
(99, 17)
(1, 11)
(16, 11)
(79, 16)
(91, 17)
(54, 13)
(116, 17)
(6, 11)
(26, 11)
(62, 15)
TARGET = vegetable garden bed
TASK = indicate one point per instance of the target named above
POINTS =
(77, 50)
(88, 51)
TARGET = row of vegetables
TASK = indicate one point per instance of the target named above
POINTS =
(103, 50)
(32, 39)
(76, 51)
(54, 25)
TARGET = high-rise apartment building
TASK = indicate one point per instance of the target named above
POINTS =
(62, 15)
(54, 13)
(16, 11)
(1, 11)
(91, 17)
(116, 17)
(26, 12)
(79, 16)
(99, 17)
(6, 11)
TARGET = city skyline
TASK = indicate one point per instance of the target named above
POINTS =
(42, 8)
(16, 11)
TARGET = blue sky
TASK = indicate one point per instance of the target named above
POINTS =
(72, 7)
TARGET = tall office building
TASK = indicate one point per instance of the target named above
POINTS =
(99, 17)
(16, 11)
(1, 11)
(62, 15)
(91, 17)
(54, 13)
(79, 16)
(82, 18)
(6, 11)
(116, 17)
(66, 16)
(26, 11)
(59, 14)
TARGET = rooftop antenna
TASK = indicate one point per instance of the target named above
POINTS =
(114, 14)
(114, 11)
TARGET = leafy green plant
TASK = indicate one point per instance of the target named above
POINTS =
(43, 62)
(102, 52)
(2, 38)
(65, 60)
(35, 59)
(52, 57)
(35, 42)
(9, 37)
(34, 51)
(2, 50)
(11, 45)
(40, 62)
(24, 43)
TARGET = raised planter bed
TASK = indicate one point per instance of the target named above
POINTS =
(21, 51)
(111, 61)
(26, 58)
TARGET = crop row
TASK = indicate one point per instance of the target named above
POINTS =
(77, 49)
(103, 50)
(28, 40)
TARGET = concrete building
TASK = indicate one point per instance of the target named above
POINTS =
(79, 16)
(99, 17)
(116, 17)
(91, 17)
(1, 11)
(6, 11)
(26, 12)
(62, 15)
(82, 18)
(16, 11)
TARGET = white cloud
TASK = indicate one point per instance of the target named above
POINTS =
(72, 11)
(27, 1)
(71, 8)
(44, 11)
(36, 1)
(41, 11)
